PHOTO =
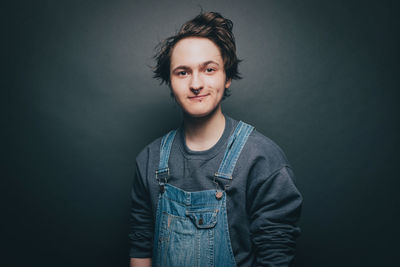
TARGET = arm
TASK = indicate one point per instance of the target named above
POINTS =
(141, 221)
(275, 207)
(138, 262)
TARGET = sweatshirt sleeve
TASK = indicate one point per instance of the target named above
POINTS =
(274, 210)
(141, 220)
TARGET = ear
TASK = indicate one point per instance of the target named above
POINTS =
(228, 83)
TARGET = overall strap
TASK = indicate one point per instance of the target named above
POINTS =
(166, 143)
(235, 145)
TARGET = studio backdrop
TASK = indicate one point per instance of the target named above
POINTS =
(79, 103)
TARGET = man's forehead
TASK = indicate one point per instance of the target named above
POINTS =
(195, 51)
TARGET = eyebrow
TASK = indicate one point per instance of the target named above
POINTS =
(200, 65)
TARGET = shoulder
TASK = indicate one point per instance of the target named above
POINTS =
(149, 150)
(264, 153)
(260, 145)
(265, 146)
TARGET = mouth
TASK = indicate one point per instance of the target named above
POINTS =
(198, 97)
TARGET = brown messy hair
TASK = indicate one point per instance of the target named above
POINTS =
(210, 25)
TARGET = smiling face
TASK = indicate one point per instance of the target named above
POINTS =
(197, 75)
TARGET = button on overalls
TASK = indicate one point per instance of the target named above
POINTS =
(191, 228)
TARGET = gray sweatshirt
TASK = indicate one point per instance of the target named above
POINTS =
(263, 203)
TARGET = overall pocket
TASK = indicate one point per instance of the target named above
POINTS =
(177, 244)
(203, 219)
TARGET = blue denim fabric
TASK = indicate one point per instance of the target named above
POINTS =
(235, 145)
(192, 227)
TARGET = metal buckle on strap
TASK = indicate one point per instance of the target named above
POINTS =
(162, 171)
(218, 193)
(165, 173)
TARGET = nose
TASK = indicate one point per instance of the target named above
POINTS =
(196, 83)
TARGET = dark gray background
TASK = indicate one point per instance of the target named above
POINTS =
(79, 103)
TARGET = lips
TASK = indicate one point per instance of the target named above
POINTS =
(198, 97)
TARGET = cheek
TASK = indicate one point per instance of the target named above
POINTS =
(217, 83)
(176, 87)
(173, 84)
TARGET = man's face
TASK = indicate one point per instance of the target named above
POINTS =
(198, 78)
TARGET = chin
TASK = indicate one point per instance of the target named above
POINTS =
(200, 113)
(197, 114)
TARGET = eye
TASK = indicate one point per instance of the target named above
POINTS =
(182, 73)
(209, 70)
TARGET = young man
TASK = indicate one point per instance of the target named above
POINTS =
(214, 192)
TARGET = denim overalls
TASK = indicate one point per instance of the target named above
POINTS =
(191, 228)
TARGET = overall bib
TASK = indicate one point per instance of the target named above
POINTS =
(191, 228)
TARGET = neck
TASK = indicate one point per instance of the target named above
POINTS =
(203, 133)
